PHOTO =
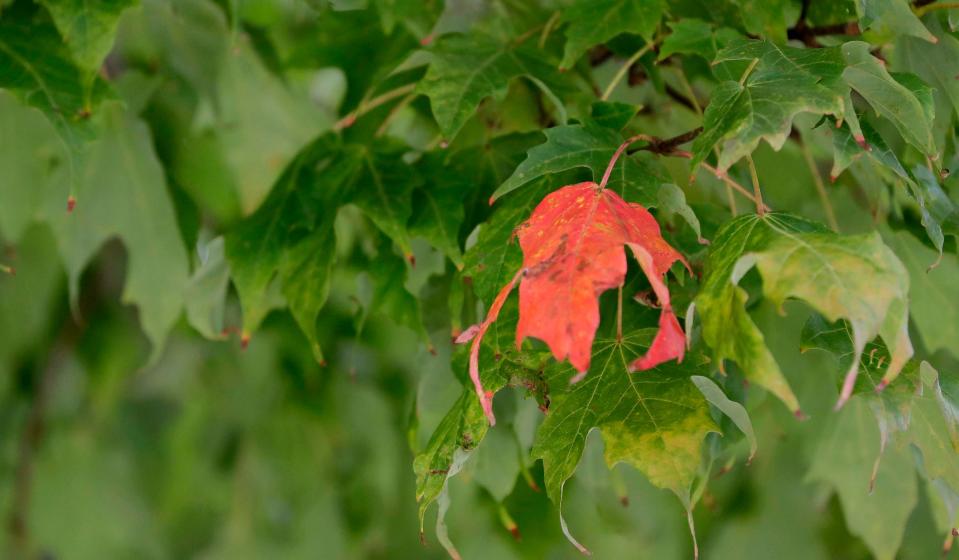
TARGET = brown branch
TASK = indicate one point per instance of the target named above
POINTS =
(666, 146)
(30, 440)
(808, 35)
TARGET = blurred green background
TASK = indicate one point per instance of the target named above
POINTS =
(209, 450)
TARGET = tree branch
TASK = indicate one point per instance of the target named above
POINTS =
(666, 146)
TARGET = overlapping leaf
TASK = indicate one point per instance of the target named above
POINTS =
(37, 67)
(291, 235)
(591, 146)
(786, 81)
(654, 420)
(466, 69)
(855, 277)
(777, 83)
(592, 22)
(126, 196)
(88, 28)
(891, 16)
(863, 456)
(573, 251)
(937, 64)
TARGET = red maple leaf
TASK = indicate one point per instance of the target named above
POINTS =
(574, 250)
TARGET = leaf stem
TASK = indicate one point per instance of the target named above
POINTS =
(619, 151)
(757, 193)
(749, 70)
(923, 10)
(391, 116)
(820, 186)
(367, 106)
(735, 186)
(619, 314)
(548, 28)
(621, 73)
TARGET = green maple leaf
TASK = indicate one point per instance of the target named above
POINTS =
(877, 498)
(786, 81)
(636, 178)
(291, 235)
(466, 69)
(124, 194)
(465, 426)
(937, 64)
(696, 37)
(893, 404)
(457, 185)
(891, 16)
(37, 67)
(847, 150)
(88, 28)
(592, 22)
(853, 277)
(898, 103)
(280, 238)
(933, 293)
(654, 420)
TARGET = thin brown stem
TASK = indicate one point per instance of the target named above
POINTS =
(367, 106)
(820, 186)
(621, 73)
(619, 151)
(757, 193)
(735, 186)
(923, 10)
(394, 112)
(690, 94)
(548, 28)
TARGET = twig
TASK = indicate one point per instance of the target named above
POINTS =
(33, 432)
(619, 151)
(690, 94)
(367, 106)
(925, 9)
(625, 68)
(757, 193)
(666, 146)
(735, 186)
(548, 28)
(820, 186)
(391, 116)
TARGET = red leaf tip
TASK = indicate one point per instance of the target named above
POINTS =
(425, 41)
(882, 385)
(244, 340)
(800, 415)
(71, 203)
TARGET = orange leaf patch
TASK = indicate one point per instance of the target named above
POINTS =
(573, 251)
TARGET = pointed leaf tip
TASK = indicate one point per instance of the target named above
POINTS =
(244, 340)
(71, 203)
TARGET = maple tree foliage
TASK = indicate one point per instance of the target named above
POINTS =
(293, 278)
